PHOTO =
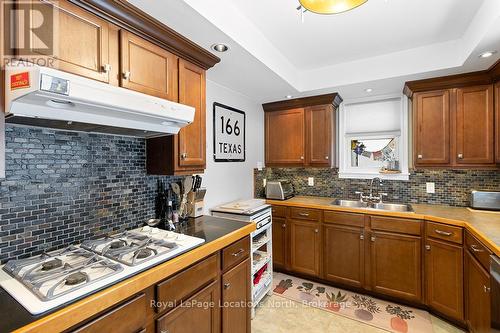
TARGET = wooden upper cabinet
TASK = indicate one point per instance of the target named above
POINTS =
(191, 139)
(184, 153)
(444, 278)
(305, 247)
(344, 254)
(396, 265)
(147, 68)
(497, 122)
(285, 137)
(319, 133)
(432, 128)
(475, 125)
(81, 40)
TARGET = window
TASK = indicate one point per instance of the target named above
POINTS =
(373, 139)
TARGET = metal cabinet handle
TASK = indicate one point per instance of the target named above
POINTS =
(475, 249)
(487, 289)
(362, 236)
(372, 238)
(126, 75)
(444, 233)
(327, 157)
(237, 253)
(106, 68)
(227, 286)
(460, 156)
(184, 156)
(304, 214)
(419, 157)
(283, 225)
(316, 230)
(428, 247)
(301, 157)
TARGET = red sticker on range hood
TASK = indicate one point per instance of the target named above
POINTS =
(20, 80)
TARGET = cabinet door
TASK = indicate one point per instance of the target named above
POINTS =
(344, 255)
(319, 125)
(147, 68)
(475, 125)
(477, 280)
(305, 247)
(235, 298)
(193, 318)
(279, 242)
(80, 39)
(497, 124)
(285, 137)
(444, 278)
(432, 128)
(191, 139)
(396, 265)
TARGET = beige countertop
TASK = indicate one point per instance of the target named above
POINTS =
(483, 225)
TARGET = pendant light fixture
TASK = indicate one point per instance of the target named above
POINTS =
(327, 7)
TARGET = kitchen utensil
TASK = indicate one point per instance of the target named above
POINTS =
(177, 190)
(188, 184)
(153, 222)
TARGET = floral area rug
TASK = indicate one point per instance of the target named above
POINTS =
(388, 316)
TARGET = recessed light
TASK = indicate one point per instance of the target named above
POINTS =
(368, 90)
(487, 54)
(289, 96)
(220, 47)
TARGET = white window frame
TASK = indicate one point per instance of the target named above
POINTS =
(344, 139)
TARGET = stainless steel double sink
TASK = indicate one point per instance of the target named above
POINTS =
(393, 207)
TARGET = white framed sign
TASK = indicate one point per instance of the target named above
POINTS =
(229, 134)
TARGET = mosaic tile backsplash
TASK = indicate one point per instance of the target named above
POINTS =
(452, 186)
(62, 187)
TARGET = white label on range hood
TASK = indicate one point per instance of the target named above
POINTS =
(54, 84)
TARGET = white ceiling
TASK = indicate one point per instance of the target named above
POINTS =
(376, 28)
(379, 45)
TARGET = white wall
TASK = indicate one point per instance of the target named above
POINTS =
(231, 181)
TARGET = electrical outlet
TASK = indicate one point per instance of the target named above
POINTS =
(259, 166)
(430, 188)
(310, 181)
(264, 182)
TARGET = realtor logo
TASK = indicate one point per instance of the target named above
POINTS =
(29, 28)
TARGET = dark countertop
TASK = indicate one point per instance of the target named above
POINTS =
(14, 316)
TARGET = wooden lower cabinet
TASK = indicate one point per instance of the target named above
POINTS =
(305, 247)
(396, 265)
(235, 299)
(279, 242)
(477, 296)
(200, 314)
(343, 250)
(444, 278)
(129, 317)
(497, 122)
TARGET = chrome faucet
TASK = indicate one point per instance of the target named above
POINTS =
(371, 197)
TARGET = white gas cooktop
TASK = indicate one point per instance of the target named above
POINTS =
(47, 281)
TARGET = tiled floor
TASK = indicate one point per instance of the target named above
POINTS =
(280, 315)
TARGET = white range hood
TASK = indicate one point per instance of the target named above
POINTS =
(45, 97)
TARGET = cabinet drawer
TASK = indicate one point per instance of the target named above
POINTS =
(305, 214)
(279, 211)
(127, 317)
(179, 287)
(478, 250)
(444, 232)
(235, 253)
(396, 225)
(348, 219)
